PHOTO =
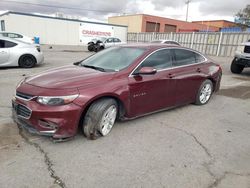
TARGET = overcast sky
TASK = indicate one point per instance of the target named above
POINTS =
(102, 9)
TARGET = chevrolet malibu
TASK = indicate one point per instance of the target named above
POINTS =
(122, 82)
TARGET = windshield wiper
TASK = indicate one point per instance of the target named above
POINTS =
(94, 67)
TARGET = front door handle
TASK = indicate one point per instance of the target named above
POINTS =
(198, 70)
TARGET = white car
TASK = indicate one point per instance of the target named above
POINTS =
(18, 53)
(17, 36)
(166, 42)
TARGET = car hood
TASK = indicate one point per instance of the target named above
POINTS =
(69, 77)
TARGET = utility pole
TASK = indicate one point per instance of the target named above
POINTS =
(187, 2)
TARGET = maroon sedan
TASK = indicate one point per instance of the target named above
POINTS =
(118, 83)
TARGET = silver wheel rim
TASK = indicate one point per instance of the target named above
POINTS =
(205, 93)
(108, 120)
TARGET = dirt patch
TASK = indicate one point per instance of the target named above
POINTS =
(240, 92)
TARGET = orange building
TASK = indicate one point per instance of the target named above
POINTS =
(149, 23)
(217, 23)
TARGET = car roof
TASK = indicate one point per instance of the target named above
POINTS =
(12, 40)
(156, 46)
(150, 45)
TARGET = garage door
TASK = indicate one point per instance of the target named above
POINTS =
(170, 28)
(152, 27)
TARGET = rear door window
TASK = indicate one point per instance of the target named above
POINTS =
(199, 58)
(117, 40)
(110, 40)
(7, 44)
(184, 57)
(12, 35)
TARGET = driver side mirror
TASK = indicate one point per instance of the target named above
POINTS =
(146, 71)
(77, 63)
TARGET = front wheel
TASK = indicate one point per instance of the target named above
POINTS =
(100, 118)
(204, 93)
(91, 47)
(236, 68)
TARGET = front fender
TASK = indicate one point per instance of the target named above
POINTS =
(88, 96)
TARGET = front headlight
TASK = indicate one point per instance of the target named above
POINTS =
(55, 101)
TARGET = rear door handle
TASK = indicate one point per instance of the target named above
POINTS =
(198, 70)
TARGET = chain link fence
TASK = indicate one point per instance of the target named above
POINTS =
(210, 43)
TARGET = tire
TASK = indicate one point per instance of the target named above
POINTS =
(91, 47)
(100, 118)
(236, 68)
(204, 93)
(98, 48)
(27, 61)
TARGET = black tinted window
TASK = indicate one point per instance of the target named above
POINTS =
(159, 60)
(184, 57)
(117, 40)
(6, 44)
(110, 40)
(247, 49)
(13, 35)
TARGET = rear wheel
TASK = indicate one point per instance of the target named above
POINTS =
(100, 118)
(204, 93)
(27, 61)
(236, 68)
(91, 47)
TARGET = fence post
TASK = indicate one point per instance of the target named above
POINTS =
(192, 40)
(137, 37)
(218, 49)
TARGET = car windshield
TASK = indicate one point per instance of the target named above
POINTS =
(113, 59)
(99, 38)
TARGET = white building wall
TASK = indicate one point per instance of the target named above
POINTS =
(121, 33)
(49, 30)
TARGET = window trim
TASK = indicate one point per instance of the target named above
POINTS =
(170, 68)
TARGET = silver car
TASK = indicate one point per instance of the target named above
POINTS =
(100, 43)
(17, 53)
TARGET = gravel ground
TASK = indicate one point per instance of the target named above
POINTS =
(191, 146)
